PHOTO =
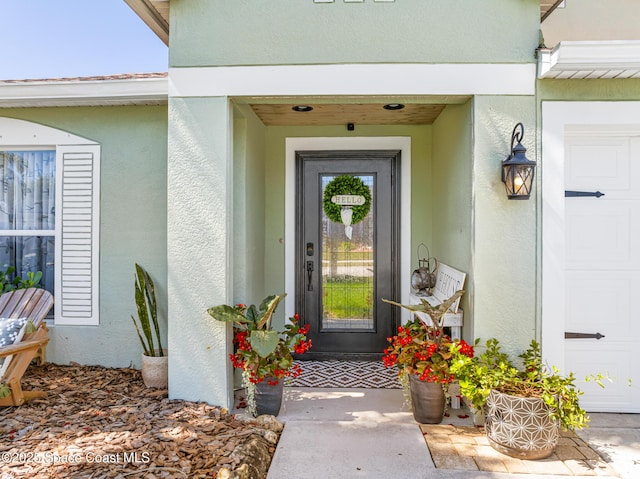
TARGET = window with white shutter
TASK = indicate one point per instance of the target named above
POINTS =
(77, 235)
(49, 214)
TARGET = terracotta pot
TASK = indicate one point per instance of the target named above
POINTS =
(520, 427)
(155, 370)
(268, 397)
(427, 400)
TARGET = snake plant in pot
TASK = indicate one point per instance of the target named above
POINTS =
(154, 357)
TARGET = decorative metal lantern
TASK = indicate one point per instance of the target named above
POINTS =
(517, 170)
(424, 278)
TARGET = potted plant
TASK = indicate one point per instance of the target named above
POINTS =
(422, 353)
(154, 356)
(524, 407)
(263, 353)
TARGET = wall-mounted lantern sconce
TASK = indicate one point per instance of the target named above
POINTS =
(517, 170)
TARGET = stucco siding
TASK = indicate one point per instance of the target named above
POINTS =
(133, 211)
(593, 20)
(199, 248)
(452, 196)
(249, 209)
(504, 238)
(589, 90)
(250, 32)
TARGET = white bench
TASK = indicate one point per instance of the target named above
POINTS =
(448, 281)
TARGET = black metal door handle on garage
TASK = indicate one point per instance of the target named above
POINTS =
(582, 194)
(583, 335)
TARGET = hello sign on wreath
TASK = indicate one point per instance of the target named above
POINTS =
(347, 200)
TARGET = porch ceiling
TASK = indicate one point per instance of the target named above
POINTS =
(155, 13)
(341, 114)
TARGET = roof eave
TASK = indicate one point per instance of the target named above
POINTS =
(148, 91)
(147, 11)
(590, 59)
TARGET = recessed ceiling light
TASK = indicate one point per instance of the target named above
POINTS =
(302, 108)
(393, 106)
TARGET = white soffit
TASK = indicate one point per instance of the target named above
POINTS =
(75, 92)
(354, 79)
(601, 59)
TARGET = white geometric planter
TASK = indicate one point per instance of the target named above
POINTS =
(520, 427)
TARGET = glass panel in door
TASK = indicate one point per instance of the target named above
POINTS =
(348, 266)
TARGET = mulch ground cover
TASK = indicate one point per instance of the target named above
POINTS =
(103, 423)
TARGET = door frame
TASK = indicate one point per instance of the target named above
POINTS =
(347, 143)
(556, 116)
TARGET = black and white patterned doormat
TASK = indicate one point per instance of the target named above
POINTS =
(346, 374)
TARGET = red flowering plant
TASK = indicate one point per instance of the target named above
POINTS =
(261, 352)
(423, 349)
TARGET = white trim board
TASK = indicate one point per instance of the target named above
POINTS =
(353, 143)
(557, 119)
(354, 79)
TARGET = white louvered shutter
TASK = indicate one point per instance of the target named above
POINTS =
(77, 234)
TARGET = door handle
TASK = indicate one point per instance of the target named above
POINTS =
(583, 335)
(309, 275)
(579, 194)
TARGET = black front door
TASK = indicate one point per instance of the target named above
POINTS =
(342, 275)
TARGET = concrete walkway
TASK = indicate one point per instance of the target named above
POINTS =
(369, 433)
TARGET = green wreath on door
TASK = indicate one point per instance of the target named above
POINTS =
(346, 185)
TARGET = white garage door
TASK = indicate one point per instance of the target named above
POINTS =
(602, 263)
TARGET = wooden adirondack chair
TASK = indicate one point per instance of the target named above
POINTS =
(32, 303)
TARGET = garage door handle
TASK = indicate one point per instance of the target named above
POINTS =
(583, 335)
(574, 194)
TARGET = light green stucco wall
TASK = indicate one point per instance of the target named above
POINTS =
(588, 90)
(504, 231)
(452, 197)
(592, 20)
(255, 32)
(133, 224)
(249, 209)
(200, 245)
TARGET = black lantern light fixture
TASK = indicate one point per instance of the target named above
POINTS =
(517, 170)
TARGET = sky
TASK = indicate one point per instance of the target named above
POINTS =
(70, 38)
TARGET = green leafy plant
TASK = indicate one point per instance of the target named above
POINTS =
(423, 349)
(9, 281)
(145, 298)
(261, 351)
(494, 370)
